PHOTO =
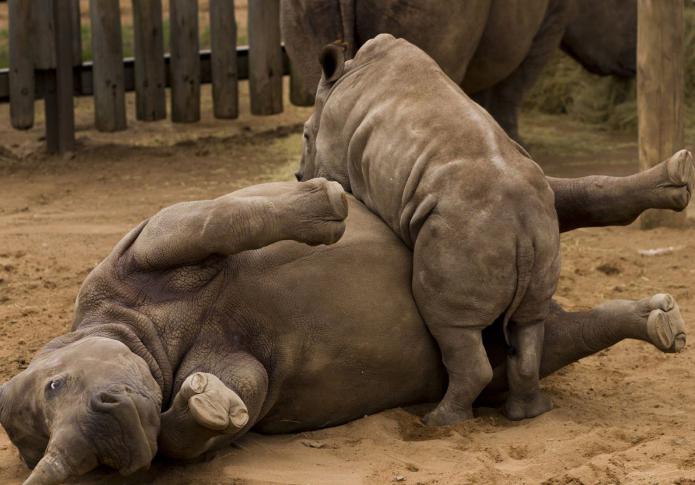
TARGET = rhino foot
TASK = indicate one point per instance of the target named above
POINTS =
(444, 415)
(518, 408)
(665, 326)
(212, 404)
(323, 207)
(678, 176)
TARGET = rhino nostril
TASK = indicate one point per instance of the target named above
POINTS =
(104, 401)
(298, 176)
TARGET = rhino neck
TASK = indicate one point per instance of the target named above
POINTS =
(142, 340)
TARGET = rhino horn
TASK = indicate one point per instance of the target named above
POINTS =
(60, 462)
(51, 470)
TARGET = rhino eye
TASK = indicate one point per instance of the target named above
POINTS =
(54, 386)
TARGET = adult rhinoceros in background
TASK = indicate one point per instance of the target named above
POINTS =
(201, 325)
(494, 49)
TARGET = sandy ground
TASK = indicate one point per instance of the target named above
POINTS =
(626, 415)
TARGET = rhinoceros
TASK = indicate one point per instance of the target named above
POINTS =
(213, 317)
(479, 215)
(494, 49)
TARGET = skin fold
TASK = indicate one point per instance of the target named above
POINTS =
(494, 49)
(183, 355)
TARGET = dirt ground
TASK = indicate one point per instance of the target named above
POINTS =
(626, 415)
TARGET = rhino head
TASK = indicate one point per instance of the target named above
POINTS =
(333, 64)
(89, 402)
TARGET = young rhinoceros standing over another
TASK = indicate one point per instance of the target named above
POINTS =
(394, 130)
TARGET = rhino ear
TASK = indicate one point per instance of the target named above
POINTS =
(332, 61)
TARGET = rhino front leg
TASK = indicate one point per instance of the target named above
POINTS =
(570, 336)
(209, 412)
(608, 201)
(311, 212)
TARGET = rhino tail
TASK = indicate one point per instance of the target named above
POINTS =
(525, 257)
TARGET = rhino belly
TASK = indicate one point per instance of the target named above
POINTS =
(359, 345)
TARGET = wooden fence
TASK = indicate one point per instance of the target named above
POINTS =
(46, 52)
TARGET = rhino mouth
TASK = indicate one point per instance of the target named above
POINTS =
(123, 427)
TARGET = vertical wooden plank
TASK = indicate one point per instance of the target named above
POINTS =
(60, 111)
(107, 51)
(185, 61)
(76, 17)
(43, 34)
(223, 31)
(22, 83)
(660, 91)
(265, 57)
(150, 71)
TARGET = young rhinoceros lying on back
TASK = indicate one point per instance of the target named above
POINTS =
(479, 215)
(209, 319)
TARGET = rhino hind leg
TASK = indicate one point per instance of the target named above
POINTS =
(571, 336)
(458, 296)
(583, 201)
(525, 398)
(469, 373)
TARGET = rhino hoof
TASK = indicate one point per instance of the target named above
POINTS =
(517, 409)
(680, 176)
(213, 405)
(665, 325)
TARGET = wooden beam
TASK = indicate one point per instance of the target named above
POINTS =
(84, 74)
(660, 91)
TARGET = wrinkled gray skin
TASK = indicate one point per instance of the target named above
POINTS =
(200, 326)
(494, 49)
(397, 133)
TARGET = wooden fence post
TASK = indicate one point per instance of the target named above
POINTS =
(60, 107)
(43, 33)
(22, 82)
(660, 91)
(76, 18)
(150, 71)
(265, 57)
(107, 50)
(185, 61)
(225, 91)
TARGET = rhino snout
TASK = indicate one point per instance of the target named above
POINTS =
(124, 424)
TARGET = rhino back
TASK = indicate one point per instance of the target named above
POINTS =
(401, 121)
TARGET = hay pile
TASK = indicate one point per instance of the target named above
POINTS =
(566, 88)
